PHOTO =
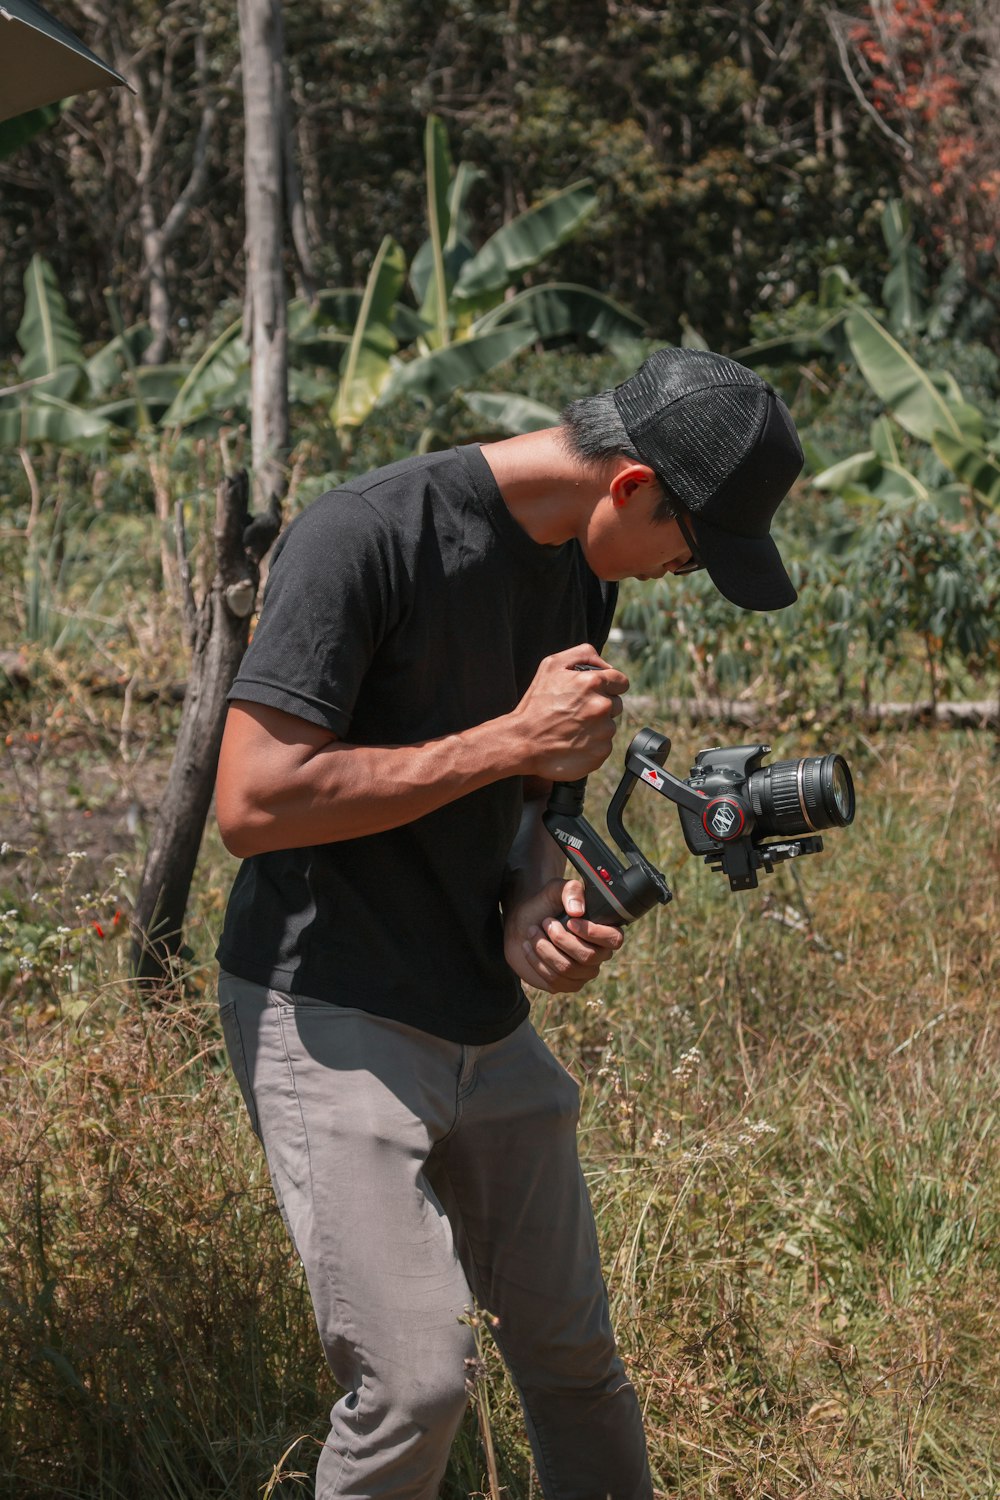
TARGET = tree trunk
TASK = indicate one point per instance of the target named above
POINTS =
(265, 319)
(217, 626)
(218, 630)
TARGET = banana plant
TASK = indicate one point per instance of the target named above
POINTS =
(928, 406)
(43, 405)
(471, 313)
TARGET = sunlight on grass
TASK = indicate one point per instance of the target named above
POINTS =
(789, 1133)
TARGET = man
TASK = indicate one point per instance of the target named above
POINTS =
(410, 695)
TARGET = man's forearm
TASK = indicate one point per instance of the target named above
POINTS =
(337, 791)
(287, 783)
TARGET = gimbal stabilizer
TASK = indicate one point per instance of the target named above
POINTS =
(727, 808)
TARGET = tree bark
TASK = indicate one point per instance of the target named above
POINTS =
(265, 318)
(218, 627)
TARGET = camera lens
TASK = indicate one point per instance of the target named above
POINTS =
(803, 796)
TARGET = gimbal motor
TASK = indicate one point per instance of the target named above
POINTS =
(729, 805)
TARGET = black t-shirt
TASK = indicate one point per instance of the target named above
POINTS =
(407, 606)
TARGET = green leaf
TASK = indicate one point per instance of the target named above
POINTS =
(905, 287)
(367, 368)
(157, 386)
(460, 220)
(106, 368)
(860, 468)
(975, 467)
(338, 307)
(46, 419)
(47, 334)
(836, 289)
(422, 276)
(433, 377)
(883, 440)
(526, 240)
(327, 347)
(215, 372)
(560, 308)
(511, 413)
(17, 132)
(64, 383)
(900, 483)
(898, 380)
(793, 348)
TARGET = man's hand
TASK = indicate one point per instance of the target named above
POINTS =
(548, 954)
(566, 719)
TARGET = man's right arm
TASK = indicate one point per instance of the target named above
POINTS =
(286, 783)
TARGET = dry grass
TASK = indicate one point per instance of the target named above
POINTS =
(790, 1135)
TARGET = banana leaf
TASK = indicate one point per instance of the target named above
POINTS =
(366, 368)
(46, 419)
(905, 287)
(793, 348)
(157, 386)
(898, 380)
(510, 413)
(976, 467)
(47, 334)
(435, 376)
(884, 440)
(558, 309)
(64, 383)
(900, 483)
(326, 347)
(525, 241)
(860, 468)
(213, 375)
(337, 308)
(109, 365)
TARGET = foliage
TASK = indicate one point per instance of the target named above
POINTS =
(729, 156)
(465, 323)
(877, 584)
(930, 70)
(468, 320)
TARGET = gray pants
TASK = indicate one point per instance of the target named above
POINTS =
(414, 1175)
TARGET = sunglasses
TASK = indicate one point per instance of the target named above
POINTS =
(696, 564)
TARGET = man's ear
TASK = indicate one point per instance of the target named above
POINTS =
(631, 478)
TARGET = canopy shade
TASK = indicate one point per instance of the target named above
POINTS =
(41, 60)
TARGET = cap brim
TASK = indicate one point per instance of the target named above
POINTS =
(748, 570)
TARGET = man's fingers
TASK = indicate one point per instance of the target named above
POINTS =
(576, 943)
(607, 939)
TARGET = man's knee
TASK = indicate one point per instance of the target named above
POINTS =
(427, 1393)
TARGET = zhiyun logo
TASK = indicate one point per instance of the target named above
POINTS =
(723, 819)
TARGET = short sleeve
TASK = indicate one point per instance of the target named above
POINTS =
(330, 598)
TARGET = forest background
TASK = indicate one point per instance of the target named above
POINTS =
(790, 1103)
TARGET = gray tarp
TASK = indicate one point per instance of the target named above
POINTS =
(41, 60)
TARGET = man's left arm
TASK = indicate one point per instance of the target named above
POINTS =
(542, 948)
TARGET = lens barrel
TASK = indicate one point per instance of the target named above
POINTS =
(802, 796)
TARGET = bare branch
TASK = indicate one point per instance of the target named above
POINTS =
(836, 31)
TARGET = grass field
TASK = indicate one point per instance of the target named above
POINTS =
(789, 1130)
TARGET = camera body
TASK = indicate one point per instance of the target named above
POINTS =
(722, 777)
(730, 806)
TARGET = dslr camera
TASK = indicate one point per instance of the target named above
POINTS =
(737, 813)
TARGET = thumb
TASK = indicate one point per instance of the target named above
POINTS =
(574, 903)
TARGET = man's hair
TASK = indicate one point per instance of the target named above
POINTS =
(594, 432)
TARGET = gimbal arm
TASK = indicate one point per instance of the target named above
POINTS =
(617, 892)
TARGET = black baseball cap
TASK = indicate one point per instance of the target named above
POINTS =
(722, 443)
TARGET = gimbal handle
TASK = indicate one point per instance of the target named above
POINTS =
(617, 892)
